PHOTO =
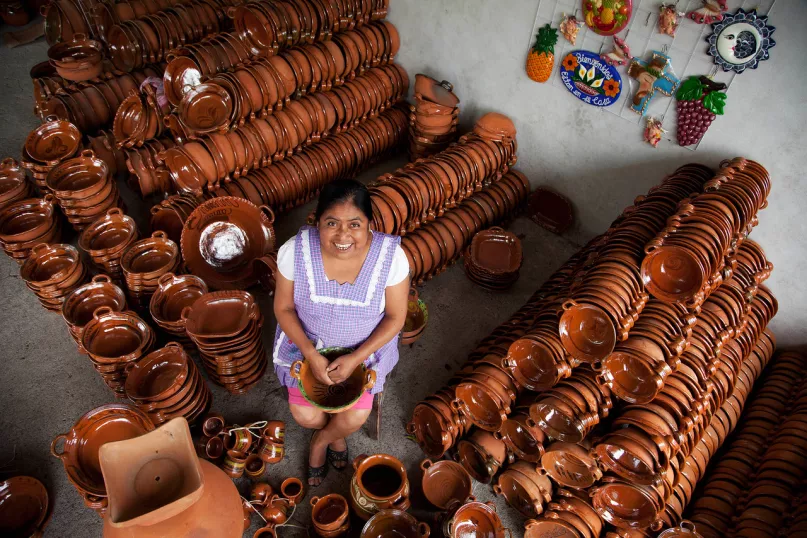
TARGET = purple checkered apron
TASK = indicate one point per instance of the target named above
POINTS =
(338, 315)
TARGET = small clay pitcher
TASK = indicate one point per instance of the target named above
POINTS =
(292, 489)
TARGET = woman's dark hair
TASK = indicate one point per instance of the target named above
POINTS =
(344, 190)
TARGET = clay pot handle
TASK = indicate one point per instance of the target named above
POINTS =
(79, 36)
(314, 500)
(39, 246)
(174, 344)
(687, 525)
(357, 461)
(62, 437)
(497, 435)
(98, 279)
(295, 369)
(425, 464)
(185, 314)
(164, 279)
(49, 199)
(369, 379)
(128, 367)
(509, 532)
(497, 489)
(230, 12)
(114, 212)
(456, 404)
(424, 530)
(569, 303)
(159, 234)
(88, 153)
(8, 162)
(101, 311)
(657, 525)
(266, 210)
(411, 429)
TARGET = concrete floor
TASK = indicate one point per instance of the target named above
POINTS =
(45, 384)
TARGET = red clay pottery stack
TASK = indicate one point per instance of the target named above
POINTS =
(433, 118)
(166, 384)
(27, 223)
(754, 484)
(80, 447)
(493, 259)
(48, 145)
(226, 326)
(13, 184)
(52, 272)
(208, 502)
(84, 188)
(169, 215)
(144, 262)
(106, 239)
(82, 302)
(174, 294)
(113, 340)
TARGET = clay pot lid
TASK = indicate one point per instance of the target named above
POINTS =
(430, 89)
(24, 507)
(445, 482)
(52, 141)
(550, 210)
(333, 398)
(108, 423)
(586, 331)
(223, 237)
(496, 124)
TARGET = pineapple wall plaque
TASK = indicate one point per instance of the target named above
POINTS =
(590, 79)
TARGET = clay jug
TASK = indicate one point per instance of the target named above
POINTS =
(157, 486)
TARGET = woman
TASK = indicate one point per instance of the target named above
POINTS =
(338, 284)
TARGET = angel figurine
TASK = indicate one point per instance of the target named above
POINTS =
(569, 27)
(668, 19)
(653, 131)
(619, 56)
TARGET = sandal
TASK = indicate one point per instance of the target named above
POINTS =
(317, 472)
(334, 457)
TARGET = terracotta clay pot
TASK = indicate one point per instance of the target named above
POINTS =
(394, 523)
(379, 483)
(445, 483)
(329, 513)
(174, 495)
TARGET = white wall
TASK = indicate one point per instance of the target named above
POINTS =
(600, 161)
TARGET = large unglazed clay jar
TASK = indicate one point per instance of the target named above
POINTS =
(158, 487)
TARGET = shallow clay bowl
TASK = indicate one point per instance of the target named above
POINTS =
(445, 482)
(24, 507)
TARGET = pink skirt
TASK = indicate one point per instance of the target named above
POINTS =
(296, 398)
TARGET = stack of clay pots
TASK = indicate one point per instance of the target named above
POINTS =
(144, 262)
(78, 448)
(77, 60)
(27, 223)
(226, 326)
(13, 184)
(52, 272)
(139, 117)
(84, 188)
(166, 384)
(113, 341)
(169, 215)
(755, 483)
(174, 293)
(423, 190)
(493, 259)
(79, 306)
(433, 118)
(107, 238)
(47, 146)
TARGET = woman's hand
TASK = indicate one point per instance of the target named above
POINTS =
(340, 369)
(319, 367)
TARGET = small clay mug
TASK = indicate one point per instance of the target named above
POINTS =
(238, 439)
(210, 448)
(261, 492)
(254, 466)
(271, 452)
(292, 489)
(234, 463)
(213, 424)
(275, 431)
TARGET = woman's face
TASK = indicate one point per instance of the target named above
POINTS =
(344, 230)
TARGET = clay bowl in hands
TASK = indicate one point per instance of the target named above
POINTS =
(338, 397)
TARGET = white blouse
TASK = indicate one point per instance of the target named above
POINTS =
(399, 269)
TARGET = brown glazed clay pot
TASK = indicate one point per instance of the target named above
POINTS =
(379, 483)
(445, 483)
(394, 523)
(329, 513)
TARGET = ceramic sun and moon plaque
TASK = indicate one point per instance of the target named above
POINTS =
(741, 40)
